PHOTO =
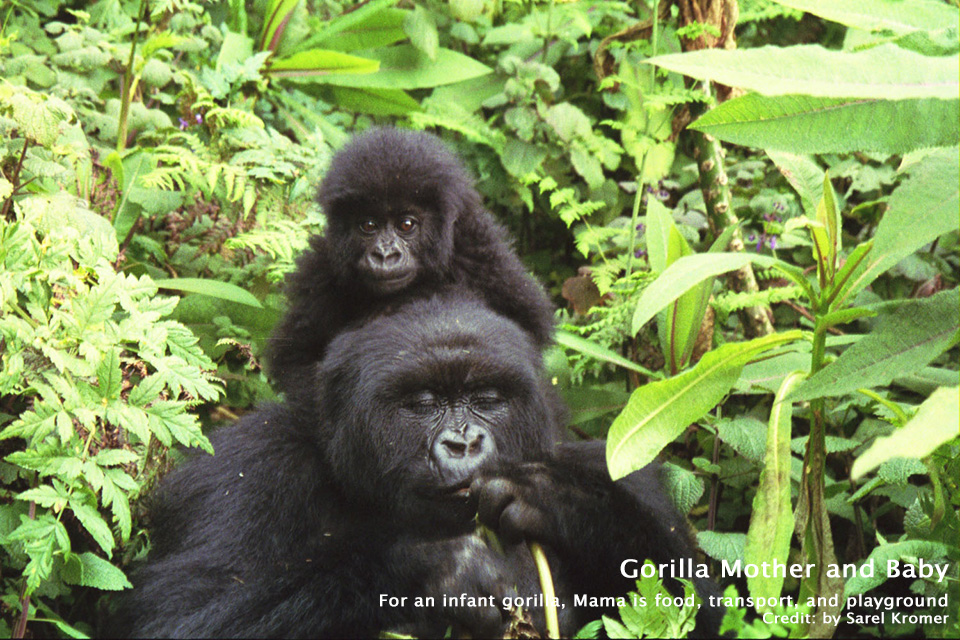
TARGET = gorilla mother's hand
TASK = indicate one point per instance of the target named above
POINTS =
(536, 502)
(468, 582)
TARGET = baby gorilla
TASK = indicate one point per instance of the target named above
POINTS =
(403, 221)
(312, 514)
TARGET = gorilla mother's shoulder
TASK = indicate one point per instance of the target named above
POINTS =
(330, 516)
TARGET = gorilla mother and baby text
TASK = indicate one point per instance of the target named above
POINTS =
(411, 359)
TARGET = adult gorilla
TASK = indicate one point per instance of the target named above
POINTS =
(308, 514)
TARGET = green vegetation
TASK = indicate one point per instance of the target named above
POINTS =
(758, 286)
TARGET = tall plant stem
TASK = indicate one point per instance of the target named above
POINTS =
(127, 89)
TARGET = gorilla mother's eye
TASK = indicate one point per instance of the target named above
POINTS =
(368, 226)
(487, 398)
(407, 224)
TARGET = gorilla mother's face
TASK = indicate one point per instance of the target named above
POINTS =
(425, 399)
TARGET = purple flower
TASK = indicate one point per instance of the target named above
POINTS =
(773, 243)
(663, 194)
(183, 124)
(752, 237)
(199, 119)
(639, 253)
(641, 227)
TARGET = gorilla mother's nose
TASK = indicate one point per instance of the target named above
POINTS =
(459, 452)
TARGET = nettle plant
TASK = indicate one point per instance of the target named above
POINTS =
(95, 379)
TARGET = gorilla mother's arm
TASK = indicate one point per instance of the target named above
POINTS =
(591, 523)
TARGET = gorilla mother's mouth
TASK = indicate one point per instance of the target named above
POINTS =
(390, 284)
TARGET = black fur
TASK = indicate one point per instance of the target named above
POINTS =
(384, 173)
(309, 511)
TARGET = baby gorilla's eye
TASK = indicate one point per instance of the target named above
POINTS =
(368, 226)
(407, 224)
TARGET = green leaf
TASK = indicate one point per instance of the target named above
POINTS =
(370, 26)
(660, 411)
(377, 102)
(807, 124)
(95, 525)
(212, 288)
(316, 63)
(278, 14)
(109, 376)
(592, 349)
(406, 67)
(421, 28)
(722, 546)
(886, 72)
(880, 556)
(922, 209)
(934, 423)
(771, 520)
(745, 435)
(804, 175)
(683, 486)
(686, 273)
(678, 326)
(904, 342)
(94, 571)
(876, 15)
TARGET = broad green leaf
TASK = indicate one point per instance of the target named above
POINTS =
(829, 216)
(278, 14)
(422, 29)
(592, 349)
(771, 520)
(660, 411)
(686, 273)
(406, 67)
(886, 72)
(372, 25)
(934, 423)
(922, 209)
(807, 124)
(212, 288)
(109, 377)
(746, 435)
(378, 102)
(316, 63)
(875, 15)
(880, 556)
(679, 324)
(906, 341)
(93, 571)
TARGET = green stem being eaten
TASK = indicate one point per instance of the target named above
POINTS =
(546, 585)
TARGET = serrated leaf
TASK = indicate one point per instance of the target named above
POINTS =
(683, 486)
(745, 434)
(898, 470)
(904, 342)
(660, 411)
(886, 72)
(722, 546)
(93, 571)
(95, 525)
(893, 551)
(934, 423)
(109, 376)
(808, 124)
